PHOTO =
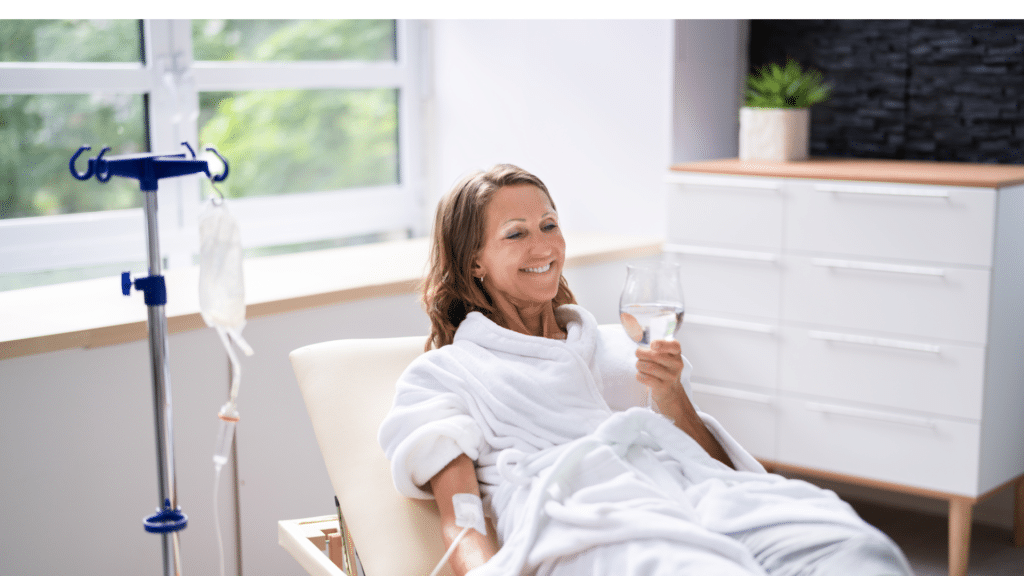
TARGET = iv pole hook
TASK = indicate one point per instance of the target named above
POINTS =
(223, 175)
(102, 173)
(220, 177)
(88, 173)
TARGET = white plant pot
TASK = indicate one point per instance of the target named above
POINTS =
(775, 134)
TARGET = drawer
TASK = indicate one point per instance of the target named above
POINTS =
(942, 302)
(748, 416)
(727, 350)
(918, 375)
(729, 211)
(889, 446)
(728, 281)
(912, 222)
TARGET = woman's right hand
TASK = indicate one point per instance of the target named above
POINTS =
(660, 368)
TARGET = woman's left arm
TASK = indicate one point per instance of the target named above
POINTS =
(659, 368)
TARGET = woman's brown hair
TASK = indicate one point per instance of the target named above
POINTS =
(450, 291)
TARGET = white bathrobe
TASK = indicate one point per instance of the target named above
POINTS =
(578, 480)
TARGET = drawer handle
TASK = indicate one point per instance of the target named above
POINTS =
(721, 252)
(878, 267)
(870, 341)
(685, 178)
(880, 190)
(735, 394)
(871, 415)
(732, 324)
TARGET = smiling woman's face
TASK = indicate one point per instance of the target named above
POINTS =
(523, 252)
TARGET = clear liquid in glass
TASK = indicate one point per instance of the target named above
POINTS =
(651, 306)
(646, 322)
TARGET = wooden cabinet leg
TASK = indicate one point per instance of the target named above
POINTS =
(960, 510)
(1018, 513)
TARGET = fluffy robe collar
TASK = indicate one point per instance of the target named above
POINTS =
(580, 326)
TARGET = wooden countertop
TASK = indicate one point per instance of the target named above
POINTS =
(93, 313)
(869, 170)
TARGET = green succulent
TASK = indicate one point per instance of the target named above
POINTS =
(774, 86)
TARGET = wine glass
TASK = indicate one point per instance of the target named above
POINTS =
(651, 306)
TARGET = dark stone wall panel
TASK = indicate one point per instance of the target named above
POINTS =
(915, 89)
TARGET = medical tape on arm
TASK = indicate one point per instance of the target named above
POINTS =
(469, 514)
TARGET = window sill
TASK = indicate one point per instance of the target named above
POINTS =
(92, 313)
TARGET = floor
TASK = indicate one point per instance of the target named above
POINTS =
(923, 538)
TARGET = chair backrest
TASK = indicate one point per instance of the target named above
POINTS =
(348, 387)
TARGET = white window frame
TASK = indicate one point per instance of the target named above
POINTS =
(173, 81)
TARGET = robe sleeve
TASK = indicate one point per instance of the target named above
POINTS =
(616, 364)
(741, 459)
(429, 425)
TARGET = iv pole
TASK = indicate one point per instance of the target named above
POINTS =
(148, 169)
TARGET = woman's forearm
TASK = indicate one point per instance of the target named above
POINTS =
(676, 406)
(661, 367)
(459, 477)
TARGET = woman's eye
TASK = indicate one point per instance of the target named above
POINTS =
(514, 235)
(549, 226)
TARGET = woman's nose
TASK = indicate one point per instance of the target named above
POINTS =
(541, 246)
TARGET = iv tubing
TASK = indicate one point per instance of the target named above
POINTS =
(448, 553)
(216, 517)
(228, 410)
(227, 432)
(228, 419)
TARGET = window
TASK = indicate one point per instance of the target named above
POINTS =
(316, 118)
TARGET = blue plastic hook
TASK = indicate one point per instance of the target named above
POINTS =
(74, 172)
(220, 177)
(102, 173)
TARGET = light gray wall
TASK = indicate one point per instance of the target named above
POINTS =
(710, 64)
(78, 457)
(585, 105)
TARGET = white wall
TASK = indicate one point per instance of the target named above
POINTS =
(584, 105)
(78, 458)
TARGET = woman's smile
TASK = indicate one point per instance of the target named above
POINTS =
(539, 270)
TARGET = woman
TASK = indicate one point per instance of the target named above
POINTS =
(518, 399)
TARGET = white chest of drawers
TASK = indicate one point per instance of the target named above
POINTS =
(861, 319)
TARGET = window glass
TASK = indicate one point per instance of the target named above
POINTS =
(282, 141)
(312, 133)
(293, 40)
(38, 135)
(70, 41)
(23, 280)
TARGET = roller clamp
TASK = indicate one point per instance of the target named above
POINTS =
(153, 287)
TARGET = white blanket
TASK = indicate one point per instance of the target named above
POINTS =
(564, 472)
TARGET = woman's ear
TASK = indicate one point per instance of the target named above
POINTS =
(477, 269)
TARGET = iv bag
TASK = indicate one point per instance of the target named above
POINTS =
(221, 286)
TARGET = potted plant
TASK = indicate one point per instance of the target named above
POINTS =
(775, 123)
